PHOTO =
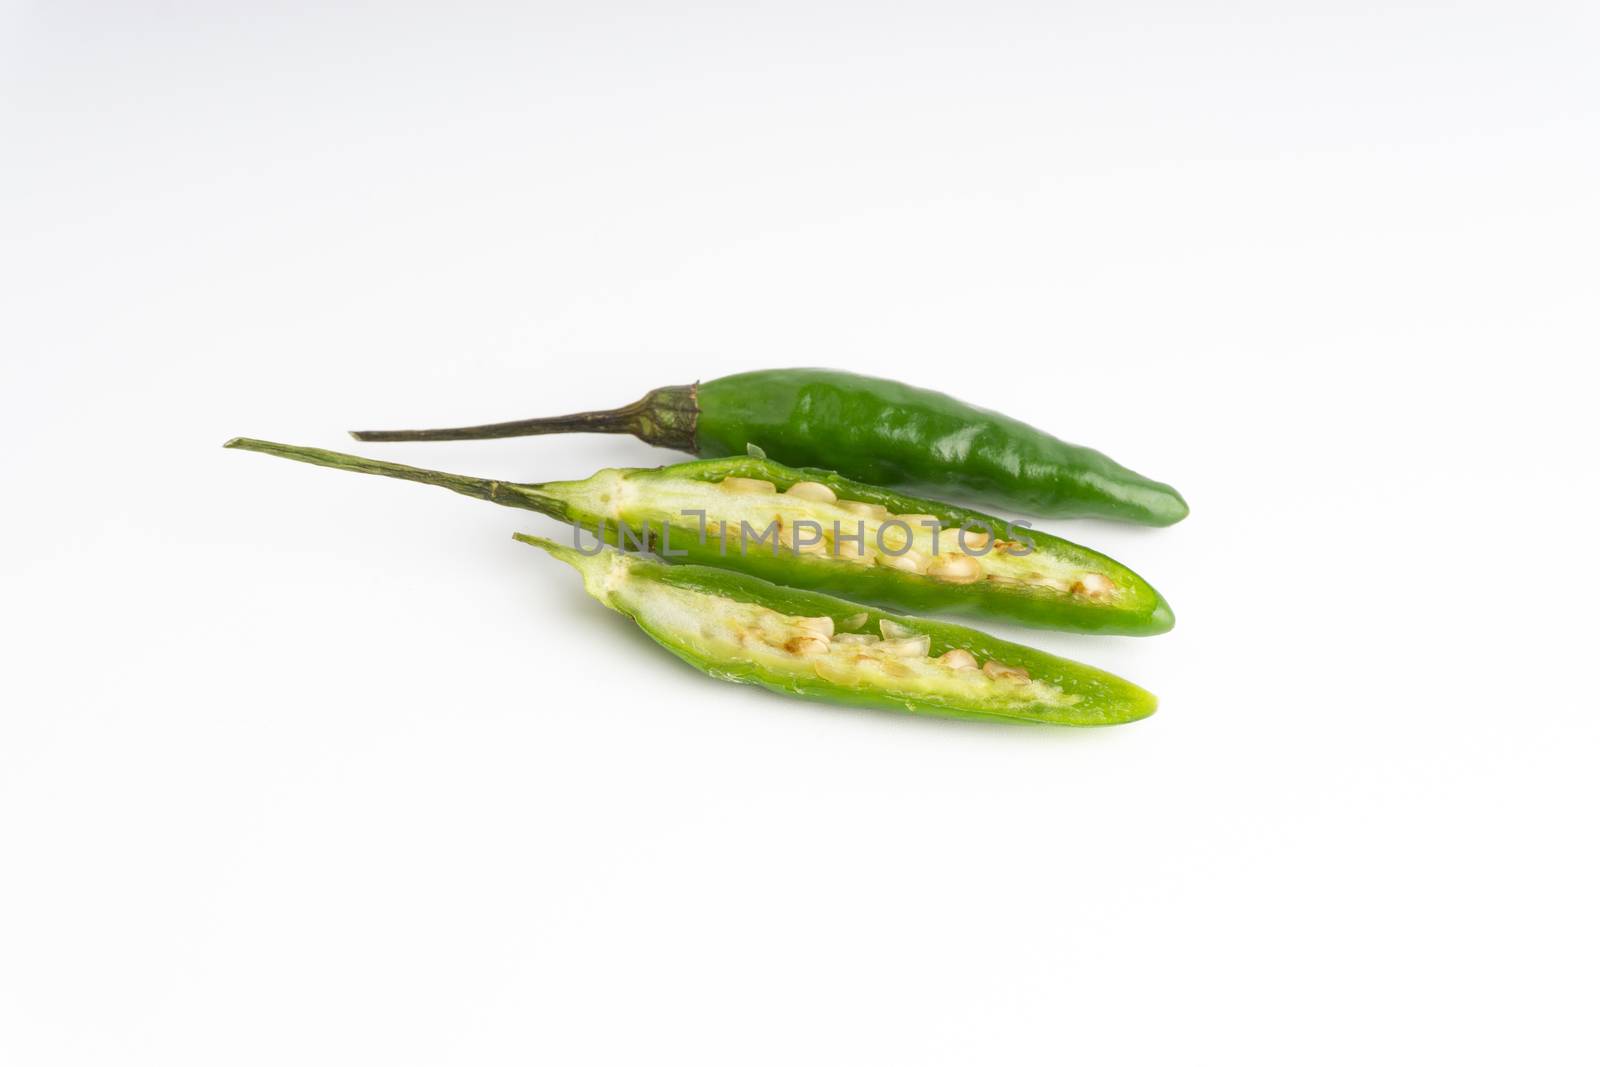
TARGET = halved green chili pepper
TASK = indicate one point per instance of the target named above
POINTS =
(877, 430)
(743, 629)
(816, 530)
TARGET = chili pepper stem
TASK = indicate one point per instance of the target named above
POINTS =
(664, 417)
(512, 494)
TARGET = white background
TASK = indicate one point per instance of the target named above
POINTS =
(302, 767)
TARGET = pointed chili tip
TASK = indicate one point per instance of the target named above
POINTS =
(1168, 506)
(539, 542)
(232, 442)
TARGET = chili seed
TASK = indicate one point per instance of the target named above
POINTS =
(909, 647)
(955, 567)
(748, 485)
(911, 561)
(812, 491)
(806, 645)
(821, 625)
(959, 659)
(999, 671)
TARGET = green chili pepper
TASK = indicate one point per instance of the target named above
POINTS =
(877, 430)
(816, 530)
(743, 629)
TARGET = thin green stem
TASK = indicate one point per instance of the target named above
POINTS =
(664, 417)
(511, 494)
(616, 420)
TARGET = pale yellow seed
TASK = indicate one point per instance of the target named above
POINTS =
(853, 622)
(907, 648)
(887, 666)
(861, 507)
(955, 567)
(815, 544)
(821, 625)
(959, 659)
(748, 485)
(812, 491)
(851, 550)
(806, 645)
(916, 521)
(972, 540)
(892, 538)
(1095, 586)
(894, 630)
(1000, 672)
(910, 561)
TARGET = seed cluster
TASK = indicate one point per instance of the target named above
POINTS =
(886, 544)
(896, 650)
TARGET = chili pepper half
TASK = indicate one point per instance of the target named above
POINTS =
(874, 429)
(743, 629)
(816, 530)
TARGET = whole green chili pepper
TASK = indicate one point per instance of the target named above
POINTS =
(816, 530)
(877, 430)
(743, 629)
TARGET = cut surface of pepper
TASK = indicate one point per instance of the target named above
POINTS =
(872, 429)
(816, 530)
(744, 629)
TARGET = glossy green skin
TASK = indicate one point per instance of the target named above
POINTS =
(1107, 699)
(888, 433)
(1144, 612)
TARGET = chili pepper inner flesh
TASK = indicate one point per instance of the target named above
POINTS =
(848, 531)
(746, 630)
(793, 646)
